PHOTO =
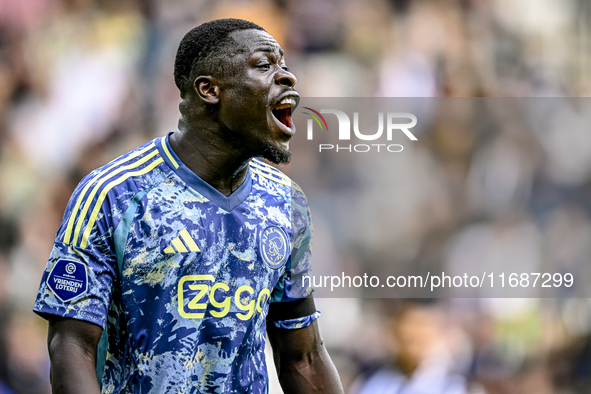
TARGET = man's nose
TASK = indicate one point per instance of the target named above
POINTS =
(286, 78)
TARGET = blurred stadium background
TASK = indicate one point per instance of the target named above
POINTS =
(82, 81)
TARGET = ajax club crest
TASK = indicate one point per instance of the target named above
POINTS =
(274, 247)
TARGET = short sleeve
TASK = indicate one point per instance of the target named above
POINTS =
(79, 275)
(295, 282)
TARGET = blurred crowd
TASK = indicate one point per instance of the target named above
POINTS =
(491, 185)
(82, 81)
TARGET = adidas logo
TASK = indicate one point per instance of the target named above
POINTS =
(182, 244)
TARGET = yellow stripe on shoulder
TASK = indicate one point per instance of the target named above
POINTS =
(98, 185)
(81, 198)
(270, 169)
(263, 169)
(172, 160)
(105, 191)
(268, 176)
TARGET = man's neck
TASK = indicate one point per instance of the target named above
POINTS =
(209, 157)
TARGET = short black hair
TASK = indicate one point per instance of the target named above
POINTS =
(204, 43)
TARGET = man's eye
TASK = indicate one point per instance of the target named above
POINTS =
(264, 66)
(285, 68)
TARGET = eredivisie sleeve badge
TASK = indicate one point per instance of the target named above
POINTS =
(68, 279)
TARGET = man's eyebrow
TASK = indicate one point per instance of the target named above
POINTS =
(269, 49)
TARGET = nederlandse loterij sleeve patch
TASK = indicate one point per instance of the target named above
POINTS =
(68, 279)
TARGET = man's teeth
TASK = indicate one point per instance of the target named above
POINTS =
(287, 102)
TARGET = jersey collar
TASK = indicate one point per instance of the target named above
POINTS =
(195, 182)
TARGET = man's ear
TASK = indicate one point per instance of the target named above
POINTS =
(207, 89)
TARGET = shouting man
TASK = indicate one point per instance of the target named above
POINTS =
(180, 254)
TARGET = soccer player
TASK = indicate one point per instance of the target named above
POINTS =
(187, 248)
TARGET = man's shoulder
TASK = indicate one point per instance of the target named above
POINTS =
(273, 176)
(132, 170)
(114, 185)
(129, 157)
(274, 182)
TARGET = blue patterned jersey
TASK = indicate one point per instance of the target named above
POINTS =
(179, 274)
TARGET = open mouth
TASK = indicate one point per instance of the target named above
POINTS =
(282, 111)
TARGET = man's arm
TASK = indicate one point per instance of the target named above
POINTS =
(302, 362)
(72, 348)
